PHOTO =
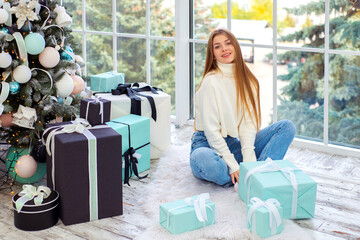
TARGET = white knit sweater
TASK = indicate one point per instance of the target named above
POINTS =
(216, 115)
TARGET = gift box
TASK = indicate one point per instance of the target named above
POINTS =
(95, 110)
(264, 218)
(35, 208)
(104, 82)
(281, 180)
(159, 130)
(84, 166)
(187, 214)
(135, 132)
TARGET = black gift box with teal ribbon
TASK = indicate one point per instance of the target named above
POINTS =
(34, 217)
(90, 185)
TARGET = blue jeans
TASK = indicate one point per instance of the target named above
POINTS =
(272, 141)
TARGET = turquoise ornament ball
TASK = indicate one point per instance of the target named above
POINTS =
(35, 43)
(11, 159)
(60, 100)
(14, 87)
(4, 30)
(65, 54)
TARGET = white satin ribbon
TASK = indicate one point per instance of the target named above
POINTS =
(101, 112)
(274, 216)
(272, 166)
(48, 74)
(5, 89)
(30, 192)
(199, 204)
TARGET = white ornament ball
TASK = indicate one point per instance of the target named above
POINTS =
(22, 74)
(79, 59)
(4, 15)
(25, 166)
(49, 57)
(5, 60)
(64, 86)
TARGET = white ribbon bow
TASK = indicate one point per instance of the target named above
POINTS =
(30, 192)
(101, 112)
(274, 216)
(199, 204)
(272, 166)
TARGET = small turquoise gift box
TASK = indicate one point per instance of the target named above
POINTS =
(264, 218)
(281, 180)
(187, 214)
(135, 132)
(104, 82)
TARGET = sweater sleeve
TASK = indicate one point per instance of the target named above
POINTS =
(210, 112)
(247, 135)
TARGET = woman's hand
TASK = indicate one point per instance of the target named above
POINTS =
(235, 176)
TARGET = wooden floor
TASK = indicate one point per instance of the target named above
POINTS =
(337, 208)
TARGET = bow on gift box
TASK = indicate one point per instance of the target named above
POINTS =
(199, 204)
(274, 216)
(131, 161)
(133, 91)
(271, 166)
(30, 192)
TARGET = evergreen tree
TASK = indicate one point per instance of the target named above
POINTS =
(34, 35)
(306, 82)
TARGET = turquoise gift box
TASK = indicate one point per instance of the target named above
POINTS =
(104, 82)
(297, 201)
(180, 216)
(259, 220)
(135, 132)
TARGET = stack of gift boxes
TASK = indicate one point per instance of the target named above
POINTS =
(88, 159)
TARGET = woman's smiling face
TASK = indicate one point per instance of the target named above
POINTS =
(224, 51)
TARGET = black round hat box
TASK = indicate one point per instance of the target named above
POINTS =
(37, 217)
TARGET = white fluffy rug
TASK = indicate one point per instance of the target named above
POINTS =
(173, 180)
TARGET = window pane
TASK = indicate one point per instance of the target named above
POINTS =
(263, 71)
(204, 21)
(344, 100)
(344, 25)
(301, 97)
(162, 18)
(74, 9)
(99, 15)
(131, 16)
(99, 52)
(163, 68)
(199, 57)
(131, 56)
(251, 21)
(301, 25)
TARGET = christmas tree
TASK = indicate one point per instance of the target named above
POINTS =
(40, 73)
(304, 101)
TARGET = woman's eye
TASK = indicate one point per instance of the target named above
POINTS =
(228, 43)
(216, 47)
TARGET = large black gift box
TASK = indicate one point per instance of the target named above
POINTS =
(33, 217)
(71, 173)
(93, 115)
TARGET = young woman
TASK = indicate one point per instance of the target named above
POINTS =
(228, 117)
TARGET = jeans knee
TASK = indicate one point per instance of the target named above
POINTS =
(289, 127)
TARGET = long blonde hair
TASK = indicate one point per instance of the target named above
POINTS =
(247, 85)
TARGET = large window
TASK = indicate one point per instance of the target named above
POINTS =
(305, 55)
(134, 37)
(306, 58)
